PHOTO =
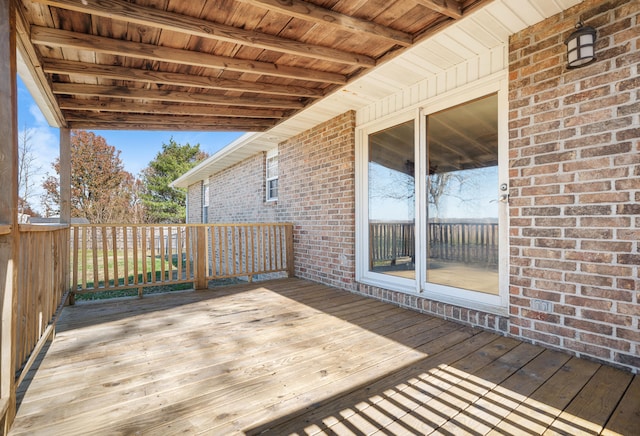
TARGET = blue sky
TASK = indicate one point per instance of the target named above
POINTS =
(137, 148)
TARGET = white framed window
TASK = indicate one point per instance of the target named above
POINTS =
(205, 201)
(271, 175)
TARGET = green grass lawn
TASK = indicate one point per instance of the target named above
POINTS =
(130, 288)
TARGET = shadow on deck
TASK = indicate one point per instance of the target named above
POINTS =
(295, 357)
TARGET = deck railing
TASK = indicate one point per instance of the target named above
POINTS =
(117, 257)
(390, 240)
(43, 278)
(465, 242)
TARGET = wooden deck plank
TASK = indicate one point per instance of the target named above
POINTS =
(317, 367)
(543, 406)
(444, 385)
(592, 407)
(478, 384)
(220, 355)
(626, 417)
(291, 356)
(352, 371)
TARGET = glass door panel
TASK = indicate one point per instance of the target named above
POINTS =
(391, 200)
(462, 196)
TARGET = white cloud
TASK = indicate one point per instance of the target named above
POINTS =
(39, 119)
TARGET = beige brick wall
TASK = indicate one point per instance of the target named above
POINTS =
(194, 203)
(237, 194)
(575, 186)
(317, 194)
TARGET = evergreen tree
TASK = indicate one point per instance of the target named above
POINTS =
(162, 203)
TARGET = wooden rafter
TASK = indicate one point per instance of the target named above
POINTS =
(56, 66)
(310, 12)
(108, 117)
(74, 104)
(146, 16)
(211, 127)
(63, 38)
(450, 8)
(172, 96)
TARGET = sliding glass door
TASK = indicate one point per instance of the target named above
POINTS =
(435, 202)
(462, 234)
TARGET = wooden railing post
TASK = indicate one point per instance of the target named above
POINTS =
(201, 258)
(9, 236)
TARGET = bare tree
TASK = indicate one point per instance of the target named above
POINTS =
(28, 170)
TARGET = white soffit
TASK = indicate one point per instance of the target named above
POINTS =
(473, 36)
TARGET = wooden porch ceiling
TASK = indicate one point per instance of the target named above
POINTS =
(216, 65)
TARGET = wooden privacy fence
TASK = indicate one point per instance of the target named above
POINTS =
(465, 242)
(43, 278)
(116, 257)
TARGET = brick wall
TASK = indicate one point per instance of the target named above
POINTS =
(194, 203)
(317, 194)
(575, 186)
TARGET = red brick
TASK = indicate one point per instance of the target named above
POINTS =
(554, 243)
(558, 286)
(592, 350)
(541, 337)
(588, 187)
(605, 341)
(610, 246)
(589, 326)
(607, 317)
(542, 253)
(605, 222)
(587, 210)
(604, 197)
(629, 309)
(554, 264)
(555, 329)
(605, 150)
(555, 222)
(589, 256)
(587, 279)
(586, 233)
(541, 295)
(588, 302)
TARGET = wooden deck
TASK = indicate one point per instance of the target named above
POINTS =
(294, 357)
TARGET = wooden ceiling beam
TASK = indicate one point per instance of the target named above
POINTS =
(57, 66)
(81, 41)
(75, 104)
(450, 8)
(316, 14)
(172, 96)
(126, 118)
(90, 125)
(152, 17)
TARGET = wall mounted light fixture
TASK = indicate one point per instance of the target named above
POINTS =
(581, 46)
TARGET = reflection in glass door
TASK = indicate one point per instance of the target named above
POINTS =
(391, 201)
(462, 186)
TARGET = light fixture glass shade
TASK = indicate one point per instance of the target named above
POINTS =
(581, 47)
